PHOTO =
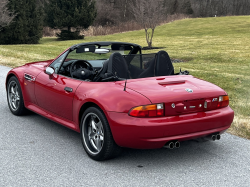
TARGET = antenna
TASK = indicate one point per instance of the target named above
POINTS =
(125, 85)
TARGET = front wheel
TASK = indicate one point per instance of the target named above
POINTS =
(96, 135)
(15, 97)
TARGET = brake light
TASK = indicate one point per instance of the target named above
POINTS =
(155, 110)
(223, 101)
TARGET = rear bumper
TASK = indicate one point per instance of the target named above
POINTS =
(150, 133)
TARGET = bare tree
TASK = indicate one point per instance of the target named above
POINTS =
(149, 14)
(6, 16)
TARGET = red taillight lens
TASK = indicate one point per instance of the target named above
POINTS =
(223, 101)
(147, 111)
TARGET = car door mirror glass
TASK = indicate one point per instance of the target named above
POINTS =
(49, 70)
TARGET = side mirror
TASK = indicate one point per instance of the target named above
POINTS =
(49, 70)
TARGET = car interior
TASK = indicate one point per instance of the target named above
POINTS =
(103, 62)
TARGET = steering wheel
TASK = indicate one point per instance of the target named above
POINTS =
(73, 66)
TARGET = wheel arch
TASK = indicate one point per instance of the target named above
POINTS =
(21, 109)
(8, 78)
(112, 149)
(84, 107)
(18, 74)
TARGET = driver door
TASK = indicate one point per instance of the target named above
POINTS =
(55, 93)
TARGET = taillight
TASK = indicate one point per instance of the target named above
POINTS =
(155, 110)
(223, 101)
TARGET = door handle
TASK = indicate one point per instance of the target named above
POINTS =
(68, 89)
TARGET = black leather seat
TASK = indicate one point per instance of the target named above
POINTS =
(161, 65)
(117, 65)
(114, 66)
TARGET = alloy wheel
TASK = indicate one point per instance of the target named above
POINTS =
(13, 96)
(93, 133)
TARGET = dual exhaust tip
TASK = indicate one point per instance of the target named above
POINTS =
(177, 144)
(213, 137)
(172, 144)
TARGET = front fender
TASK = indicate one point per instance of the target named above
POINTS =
(18, 72)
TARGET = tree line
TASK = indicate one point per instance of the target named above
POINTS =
(22, 21)
(113, 11)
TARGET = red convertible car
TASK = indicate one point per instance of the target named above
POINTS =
(116, 97)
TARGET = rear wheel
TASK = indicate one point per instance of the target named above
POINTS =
(96, 135)
(15, 97)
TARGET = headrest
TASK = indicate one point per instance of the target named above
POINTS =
(163, 65)
(118, 66)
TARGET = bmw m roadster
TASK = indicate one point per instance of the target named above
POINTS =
(115, 97)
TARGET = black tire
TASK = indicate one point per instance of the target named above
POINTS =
(15, 97)
(96, 135)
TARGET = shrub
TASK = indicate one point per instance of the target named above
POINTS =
(69, 35)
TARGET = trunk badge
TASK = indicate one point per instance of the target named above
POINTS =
(215, 99)
(189, 90)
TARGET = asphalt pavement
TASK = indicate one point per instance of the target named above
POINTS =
(35, 151)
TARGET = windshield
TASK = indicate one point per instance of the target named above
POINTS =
(94, 53)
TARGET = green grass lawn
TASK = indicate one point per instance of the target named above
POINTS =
(214, 49)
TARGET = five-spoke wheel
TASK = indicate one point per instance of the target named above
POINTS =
(14, 97)
(96, 135)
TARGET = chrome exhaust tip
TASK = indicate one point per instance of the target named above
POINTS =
(169, 145)
(177, 144)
(218, 137)
(213, 137)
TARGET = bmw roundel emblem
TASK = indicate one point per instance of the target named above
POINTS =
(189, 90)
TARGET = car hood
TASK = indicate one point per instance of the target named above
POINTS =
(174, 88)
(39, 65)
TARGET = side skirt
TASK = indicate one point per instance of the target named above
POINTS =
(53, 117)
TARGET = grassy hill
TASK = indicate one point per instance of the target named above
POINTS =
(214, 49)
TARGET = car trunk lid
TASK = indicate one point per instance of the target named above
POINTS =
(180, 94)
